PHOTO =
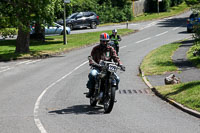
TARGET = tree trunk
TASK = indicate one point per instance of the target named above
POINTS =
(39, 33)
(23, 41)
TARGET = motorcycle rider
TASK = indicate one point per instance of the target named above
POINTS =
(116, 38)
(101, 52)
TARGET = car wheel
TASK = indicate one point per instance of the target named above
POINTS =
(63, 32)
(70, 26)
(189, 30)
(93, 25)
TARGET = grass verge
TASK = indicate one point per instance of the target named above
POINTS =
(53, 45)
(159, 60)
(187, 94)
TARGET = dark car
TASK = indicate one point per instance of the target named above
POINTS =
(81, 20)
(193, 20)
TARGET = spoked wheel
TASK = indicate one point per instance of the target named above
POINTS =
(109, 101)
(93, 101)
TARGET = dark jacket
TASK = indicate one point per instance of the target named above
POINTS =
(107, 54)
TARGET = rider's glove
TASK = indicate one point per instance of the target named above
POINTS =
(122, 67)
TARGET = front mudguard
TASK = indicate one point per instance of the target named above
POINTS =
(114, 83)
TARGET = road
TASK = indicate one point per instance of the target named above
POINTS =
(46, 96)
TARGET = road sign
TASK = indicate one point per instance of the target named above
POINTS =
(66, 1)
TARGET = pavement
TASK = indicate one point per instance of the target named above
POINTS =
(188, 73)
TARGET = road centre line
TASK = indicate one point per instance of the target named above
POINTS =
(162, 33)
(37, 104)
(143, 40)
(176, 28)
(4, 67)
(5, 70)
(122, 47)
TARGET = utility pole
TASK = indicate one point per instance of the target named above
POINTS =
(64, 22)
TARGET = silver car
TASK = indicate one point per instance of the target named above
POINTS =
(53, 29)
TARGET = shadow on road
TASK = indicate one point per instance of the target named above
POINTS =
(174, 22)
(79, 109)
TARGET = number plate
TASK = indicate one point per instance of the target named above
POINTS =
(112, 68)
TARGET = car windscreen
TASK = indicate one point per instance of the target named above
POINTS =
(72, 16)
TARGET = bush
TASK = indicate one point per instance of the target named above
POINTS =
(8, 32)
(108, 11)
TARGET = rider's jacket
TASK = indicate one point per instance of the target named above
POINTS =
(115, 38)
(107, 54)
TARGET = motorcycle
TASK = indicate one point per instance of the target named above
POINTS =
(105, 86)
(115, 46)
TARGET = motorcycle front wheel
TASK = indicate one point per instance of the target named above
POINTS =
(93, 101)
(109, 100)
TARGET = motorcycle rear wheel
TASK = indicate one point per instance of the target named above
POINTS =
(109, 101)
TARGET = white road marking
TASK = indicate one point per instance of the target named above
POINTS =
(5, 70)
(4, 67)
(149, 25)
(122, 47)
(37, 104)
(176, 28)
(33, 62)
(23, 62)
(162, 33)
(143, 40)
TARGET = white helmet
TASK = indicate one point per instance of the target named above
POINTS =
(114, 31)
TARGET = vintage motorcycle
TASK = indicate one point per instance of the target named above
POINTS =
(105, 86)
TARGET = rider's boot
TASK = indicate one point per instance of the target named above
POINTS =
(90, 93)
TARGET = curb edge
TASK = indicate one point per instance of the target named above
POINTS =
(170, 101)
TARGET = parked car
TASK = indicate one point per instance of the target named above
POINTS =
(53, 29)
(193, 20)
(81, 20)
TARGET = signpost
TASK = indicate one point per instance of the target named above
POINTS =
(64, 22)
(158, 4)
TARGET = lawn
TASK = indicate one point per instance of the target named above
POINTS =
(53, 45)
(187, 94)
(159, 61)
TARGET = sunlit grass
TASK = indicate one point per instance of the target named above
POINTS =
(159, 60)
(53, 44)
(187, 94)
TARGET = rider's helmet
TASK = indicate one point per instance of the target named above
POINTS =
(104, 37)
(114, 31)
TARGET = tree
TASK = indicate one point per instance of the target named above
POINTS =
(192, 2)
(23, 12)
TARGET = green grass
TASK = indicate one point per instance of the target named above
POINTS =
(194, 59)
(53, 44)
(187, 94)
(159, 60)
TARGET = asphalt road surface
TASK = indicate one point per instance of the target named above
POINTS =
(46, 96)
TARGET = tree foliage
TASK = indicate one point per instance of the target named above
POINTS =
(163, 6)
(22, 12)
(192, 2)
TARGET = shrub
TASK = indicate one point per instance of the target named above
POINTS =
(8, 32)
